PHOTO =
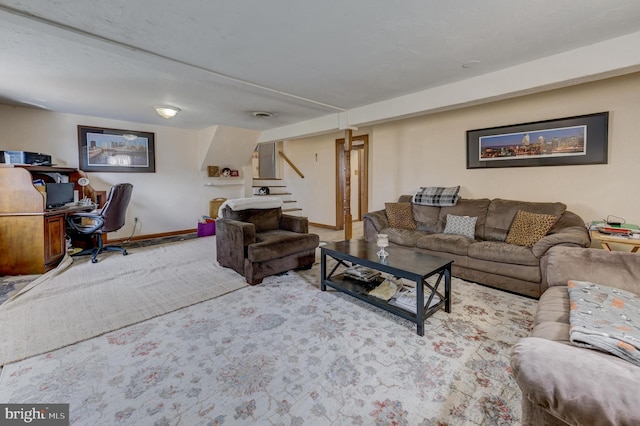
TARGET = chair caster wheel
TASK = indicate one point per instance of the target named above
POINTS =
(94, 260)
(124, 252)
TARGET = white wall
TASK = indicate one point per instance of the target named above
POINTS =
(316, 193)
(405, 154)
(172, 199)
(431, 151)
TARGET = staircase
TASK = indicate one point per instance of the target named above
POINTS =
(277, 188)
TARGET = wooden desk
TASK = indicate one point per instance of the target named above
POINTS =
(32, 238)
(606, 239)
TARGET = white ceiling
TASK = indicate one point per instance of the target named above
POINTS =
(301, 60)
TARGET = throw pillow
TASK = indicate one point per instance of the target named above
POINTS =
(461, 225)
(527, 228)
(400, 215)
(605, 318)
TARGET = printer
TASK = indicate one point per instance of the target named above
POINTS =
(25, 157)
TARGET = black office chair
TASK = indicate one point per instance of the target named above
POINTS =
(108, 219)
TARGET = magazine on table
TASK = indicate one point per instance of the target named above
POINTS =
(407, 300)
(386, 290)
(361, 273)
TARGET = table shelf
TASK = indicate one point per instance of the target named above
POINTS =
(361, 291)
(605, 239)
(362, 253)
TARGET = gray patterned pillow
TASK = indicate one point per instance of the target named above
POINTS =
(461, 225)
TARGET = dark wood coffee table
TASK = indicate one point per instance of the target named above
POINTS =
(403, 263)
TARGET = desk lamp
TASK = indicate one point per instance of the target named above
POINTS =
(83, 182)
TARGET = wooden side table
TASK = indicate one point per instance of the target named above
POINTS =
(605, 239)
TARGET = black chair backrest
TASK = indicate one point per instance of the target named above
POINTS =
(115, 209)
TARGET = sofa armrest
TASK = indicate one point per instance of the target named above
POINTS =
(573, 236)
(374, 222)
(576, 385)
(232, 239)
(297, 224)
(235, 232)
(611, 268)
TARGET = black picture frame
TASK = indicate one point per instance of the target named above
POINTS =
(566, 141)
(114, 150)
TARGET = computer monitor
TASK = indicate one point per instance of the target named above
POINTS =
(59, 194)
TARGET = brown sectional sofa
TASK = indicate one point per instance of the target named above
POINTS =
(487, 259)
(565, 384)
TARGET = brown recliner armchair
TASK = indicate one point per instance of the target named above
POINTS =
(258, 242)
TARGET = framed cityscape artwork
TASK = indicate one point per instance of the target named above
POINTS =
(113, 150)
(566, 141)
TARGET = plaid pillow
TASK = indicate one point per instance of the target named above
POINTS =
(437, 196)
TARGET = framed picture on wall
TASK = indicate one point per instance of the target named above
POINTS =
(561, 142)
(114, 150)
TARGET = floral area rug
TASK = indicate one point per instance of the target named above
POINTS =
(284, 352)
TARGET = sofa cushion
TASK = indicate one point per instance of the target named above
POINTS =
(567, 220)
(472, 208)
(528, 273)
(262, 219)
(618, 269)
(461, 225)
(427, 218)
(553, 306)
(279, 243)
(403, 237)
(578, 386)
(503, 253)
(400, 215)
(555, 331)
(501, 213)
(552, 315)
(445, 243)
(527, 228)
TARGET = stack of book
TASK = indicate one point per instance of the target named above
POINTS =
(407, 300)
(624, 229)
(361, 273)
(615, 231)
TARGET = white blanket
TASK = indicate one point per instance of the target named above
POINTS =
(251, 203)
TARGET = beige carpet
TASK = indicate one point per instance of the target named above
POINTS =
(79, 300)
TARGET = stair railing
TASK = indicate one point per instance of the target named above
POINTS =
(282, 154)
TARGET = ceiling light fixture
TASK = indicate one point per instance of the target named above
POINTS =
(130, 137)
(166, 111)
(263, 114)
